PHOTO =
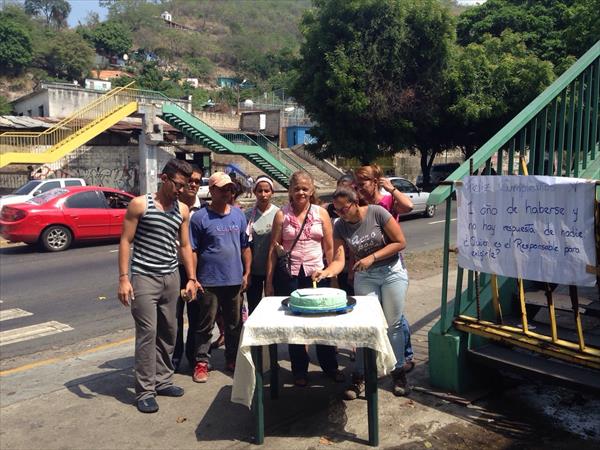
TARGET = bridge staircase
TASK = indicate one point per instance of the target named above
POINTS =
(51, 145)
(494, 321)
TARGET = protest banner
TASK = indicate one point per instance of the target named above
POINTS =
(532, 227)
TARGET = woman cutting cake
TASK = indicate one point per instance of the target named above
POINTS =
(374, 239)
(303, 230)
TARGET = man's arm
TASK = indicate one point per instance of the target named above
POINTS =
(186, 252)
(247, 261)
(132, 216)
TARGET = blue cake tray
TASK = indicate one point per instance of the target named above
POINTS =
(351, 303)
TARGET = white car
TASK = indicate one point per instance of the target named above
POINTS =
(203, 192)
(418, 197)
(37, 187)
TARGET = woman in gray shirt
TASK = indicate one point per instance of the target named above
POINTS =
(374, 239)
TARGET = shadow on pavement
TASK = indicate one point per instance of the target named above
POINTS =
(120, 386)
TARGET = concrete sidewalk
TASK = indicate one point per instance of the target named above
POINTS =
(86, 401)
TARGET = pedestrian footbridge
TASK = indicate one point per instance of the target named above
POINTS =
(69, 134)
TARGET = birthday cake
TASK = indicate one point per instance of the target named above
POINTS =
(316, 299)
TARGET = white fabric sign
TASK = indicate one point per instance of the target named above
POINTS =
(532, 227)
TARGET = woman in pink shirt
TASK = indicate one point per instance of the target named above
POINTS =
(315, 241)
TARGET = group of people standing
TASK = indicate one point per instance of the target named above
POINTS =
(204, 257)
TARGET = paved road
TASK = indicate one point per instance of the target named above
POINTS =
(50, 300)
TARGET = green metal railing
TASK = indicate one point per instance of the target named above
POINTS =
(556, 134)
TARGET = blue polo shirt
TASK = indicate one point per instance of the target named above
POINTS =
(219, 241)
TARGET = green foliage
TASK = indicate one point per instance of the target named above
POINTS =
(554, 30)
(491, 82)
(370, 73)
(5, 107)
(199, 67)
(66, 56)
(134, 14)
(16, 49)
(55, 12)
(109, 38)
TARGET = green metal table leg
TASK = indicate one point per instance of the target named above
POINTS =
(371, 394)
(257, 404)
(274, 371)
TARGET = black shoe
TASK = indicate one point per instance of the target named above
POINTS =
(147, 405)
(170, 391)
(400, 386)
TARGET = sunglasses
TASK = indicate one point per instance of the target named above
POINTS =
(195, 181)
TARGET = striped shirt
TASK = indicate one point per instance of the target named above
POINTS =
(155, 240)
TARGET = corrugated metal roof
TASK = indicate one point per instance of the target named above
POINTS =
(23, 122)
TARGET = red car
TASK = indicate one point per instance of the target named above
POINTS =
(57, 217)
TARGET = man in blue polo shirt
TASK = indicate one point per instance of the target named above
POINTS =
(218, 236)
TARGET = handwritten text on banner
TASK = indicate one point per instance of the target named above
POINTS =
(534, 227)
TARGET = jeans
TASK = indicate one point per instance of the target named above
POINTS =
(192, 315)
(408, 350)
(254, 293)
(230, 301)
(284, 285)
(389, 283)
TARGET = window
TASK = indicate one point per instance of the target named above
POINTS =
(41, 111)
(404, 186)
(88, 199)
(27, 188)
(47, 186)
(47, 196)
(116, 200)
(73, 183)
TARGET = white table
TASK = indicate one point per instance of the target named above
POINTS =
(272, 323)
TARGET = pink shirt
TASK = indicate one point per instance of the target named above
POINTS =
(308, 251)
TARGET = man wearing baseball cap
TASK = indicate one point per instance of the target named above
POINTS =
(218, 236)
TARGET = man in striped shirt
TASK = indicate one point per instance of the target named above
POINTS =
(153, 224)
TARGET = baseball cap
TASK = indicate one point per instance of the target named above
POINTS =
(219, 179)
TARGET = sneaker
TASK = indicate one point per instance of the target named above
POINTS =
(200, 372)
(170, 391)
(400, 386)
(147, 405)
(357, 387)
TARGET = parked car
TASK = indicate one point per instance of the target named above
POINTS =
(203, 191)
(37, 187)
(418, 197)
(57, 218)
(437, 174)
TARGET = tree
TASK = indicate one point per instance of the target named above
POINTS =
(5, 107)
(490, 83)
(554, 30)
(54, 11)
(109, 38)
(370, 73)
(16, 51)
(66, 56)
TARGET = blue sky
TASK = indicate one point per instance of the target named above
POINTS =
(81, 8)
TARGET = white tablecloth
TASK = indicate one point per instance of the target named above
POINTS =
(272, 323)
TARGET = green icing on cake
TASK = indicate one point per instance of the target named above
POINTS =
(318, 299)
